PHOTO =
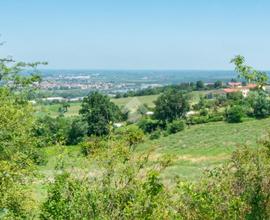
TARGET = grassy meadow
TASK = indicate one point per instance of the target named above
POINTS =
(193, 150)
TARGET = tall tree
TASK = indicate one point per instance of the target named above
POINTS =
(170, 106)
(99, 112)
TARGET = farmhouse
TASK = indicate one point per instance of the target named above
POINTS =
(238, 88)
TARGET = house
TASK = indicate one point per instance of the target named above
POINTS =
(243, 89)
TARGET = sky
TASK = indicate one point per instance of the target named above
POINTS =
(136, 34)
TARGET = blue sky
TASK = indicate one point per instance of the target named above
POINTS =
(136, 34)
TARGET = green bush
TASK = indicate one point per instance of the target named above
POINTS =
(77, 131)
(261, 105)
(203, 112)
(131, 134)
(155, 135)
(234, 114)
(175, 126)
(195, 119)
(148, 125)
(120, 191)
(92, 144)
(215, 117)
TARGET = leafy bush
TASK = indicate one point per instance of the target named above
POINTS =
(203, 112)
(118, 192)
(195, 119)
(132, 134)
(215, 117)
(234, 114)
(176, 126)
(155, 135)
(261, 105)
(148, 125)
(92, 144)
(239, 189)
(77, 131)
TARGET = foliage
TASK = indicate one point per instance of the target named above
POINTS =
(77, 131)
(171, 106)
(52, 130)
(234, 114)
(92, 144)
(18, 154)
(148, 125)
(260, 104)
(238, 190)
(218, 84)
(199, 85)
(175, 126)
(235, 96)
(248, 73)
(99, 112)
(155, 135)
(120, 191)
(213, 117)
(132, 135)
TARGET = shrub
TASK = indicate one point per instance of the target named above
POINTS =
(176, 126)
(194, 119)
(148, 125)
(91, 145)
(203, 112)
(234, 114)
(52, 130)
(132, 134)
(155, 135)
(119, 192)
(215, 118)
(261, 105)
(77, 131)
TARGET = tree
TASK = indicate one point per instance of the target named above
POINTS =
(261, 105)
(99, 112)
(176, 126)
(218, 84)
(248, 73)
(18, 146)
(234, 114)
(63, 108)
(199, 85)
(170, 106)
(77, 131)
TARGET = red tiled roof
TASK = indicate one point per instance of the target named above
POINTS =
(229, 90)
(251, 86)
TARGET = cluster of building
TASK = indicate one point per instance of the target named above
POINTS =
(238, 87)
(76, 85)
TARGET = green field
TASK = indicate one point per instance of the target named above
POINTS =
(193, 150)
(74, 107)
